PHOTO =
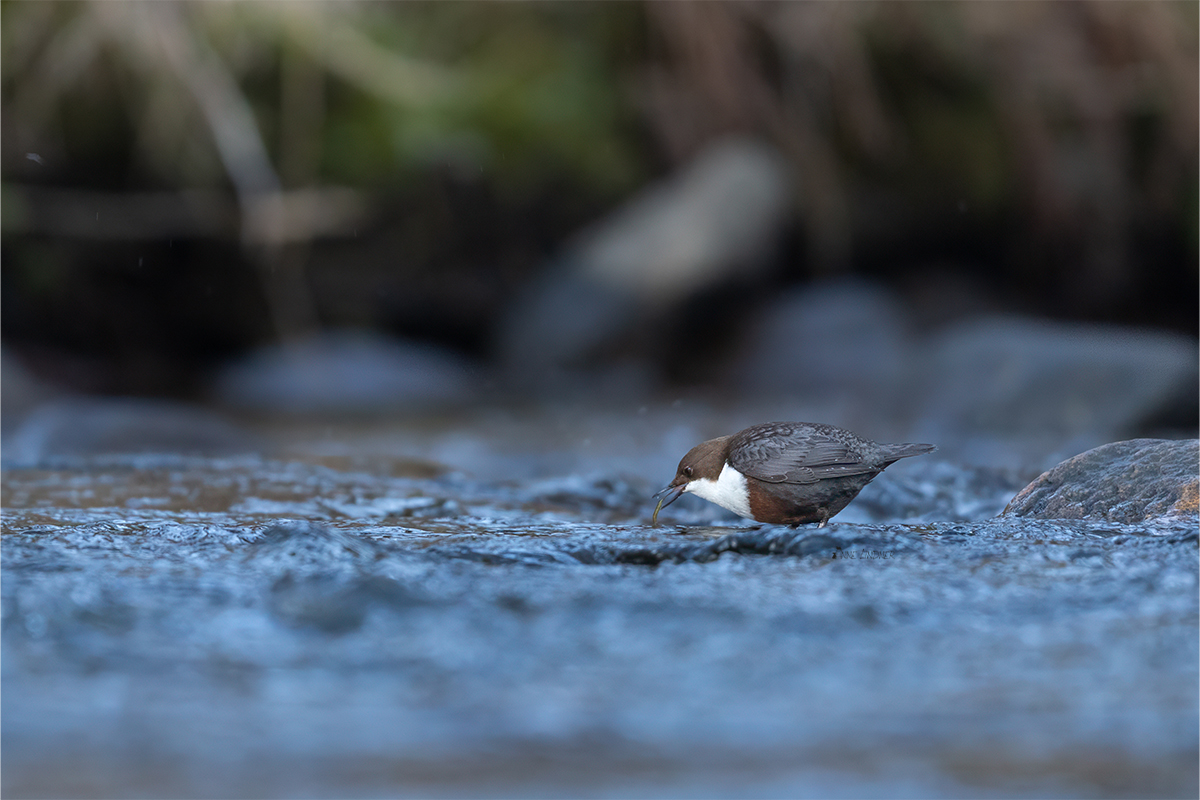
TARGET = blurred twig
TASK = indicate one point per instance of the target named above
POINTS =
(349, 53)
(230, 119)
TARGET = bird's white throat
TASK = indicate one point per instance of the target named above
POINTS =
(727, 491)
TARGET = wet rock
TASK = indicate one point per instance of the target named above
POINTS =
(388, 507)
(595, 496)
(85, 427)
(305, 547)
(714, 219)
(1127, 482)
(845, 338)
(345, 372)
(1058, 381)
(773, 541)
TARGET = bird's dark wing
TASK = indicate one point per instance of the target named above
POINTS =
(791, 453)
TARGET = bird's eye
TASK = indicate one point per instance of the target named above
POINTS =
(687, 471)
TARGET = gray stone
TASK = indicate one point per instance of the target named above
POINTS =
(1060, 381)
(1126, 482)
(687, 232)
(842, 338)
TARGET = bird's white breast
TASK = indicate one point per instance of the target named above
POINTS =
(727, 491)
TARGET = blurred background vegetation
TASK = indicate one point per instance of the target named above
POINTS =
(182, 181)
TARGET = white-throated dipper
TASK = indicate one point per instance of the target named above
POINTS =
(783, 473)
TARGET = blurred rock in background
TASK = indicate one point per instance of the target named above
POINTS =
(20, 392)
(1077, 384)
(712, 224)
(88, 427)
(848, 339)
(343, 373)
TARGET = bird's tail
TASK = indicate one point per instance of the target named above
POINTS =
(899, 451)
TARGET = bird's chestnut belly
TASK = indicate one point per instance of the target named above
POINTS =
(799, 503)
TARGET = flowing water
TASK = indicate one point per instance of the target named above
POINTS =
(333, 622)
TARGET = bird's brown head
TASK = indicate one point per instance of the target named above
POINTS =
(705, 460)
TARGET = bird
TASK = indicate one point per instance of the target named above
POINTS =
(783, 473)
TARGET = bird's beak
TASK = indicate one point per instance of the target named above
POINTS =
(666, 495)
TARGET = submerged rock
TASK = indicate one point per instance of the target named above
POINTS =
(1126, 482)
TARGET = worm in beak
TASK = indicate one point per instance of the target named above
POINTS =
(666, 496)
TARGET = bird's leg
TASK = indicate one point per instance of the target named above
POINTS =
(824, 517)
